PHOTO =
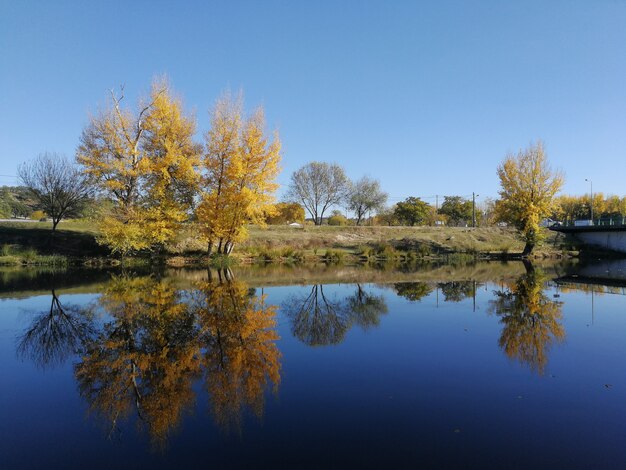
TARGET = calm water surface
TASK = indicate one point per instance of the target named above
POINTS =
(487, 366)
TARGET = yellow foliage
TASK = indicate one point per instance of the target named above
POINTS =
(531, 321)
(146, 163)
(145, 359)
(241, 355)
(241, 166)
(528, 190)
(157, 341)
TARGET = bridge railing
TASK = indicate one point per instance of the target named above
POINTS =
(599, 222)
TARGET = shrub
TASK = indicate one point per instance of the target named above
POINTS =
(38, 215)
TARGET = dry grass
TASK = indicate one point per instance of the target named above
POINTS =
(435, 240)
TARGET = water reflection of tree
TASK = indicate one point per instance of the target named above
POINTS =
(456, 291)
(531, 321)
(144, 359)
(413, 291)
(158, 340)
(241, 356)
(318, 319)
(55, 334)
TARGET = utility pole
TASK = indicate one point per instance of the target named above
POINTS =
(591, 200)
(474, 209)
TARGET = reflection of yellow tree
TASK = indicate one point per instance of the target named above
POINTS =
(145, 358)
(531, 321)
(242, 358)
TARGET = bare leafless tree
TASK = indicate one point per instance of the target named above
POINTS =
(366, 196)
(318, 186)
(57, 185)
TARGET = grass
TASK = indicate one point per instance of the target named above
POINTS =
(76, 240)
(394, 242)
(15, 255)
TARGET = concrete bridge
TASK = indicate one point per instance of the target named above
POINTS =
(606, 234)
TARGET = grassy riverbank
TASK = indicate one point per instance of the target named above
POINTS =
(75, 242)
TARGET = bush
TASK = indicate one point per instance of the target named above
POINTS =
(38, 215)
(333, 256)
(337, 219)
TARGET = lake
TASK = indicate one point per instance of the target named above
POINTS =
(486, 365)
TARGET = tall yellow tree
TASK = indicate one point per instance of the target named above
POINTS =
(145, 162)
(528, 190)
(171, 166)
(241, 165)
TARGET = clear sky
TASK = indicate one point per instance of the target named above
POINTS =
(428, 97)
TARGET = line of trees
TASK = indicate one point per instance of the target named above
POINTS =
(319, 186)
(151, 177)
(146, 162)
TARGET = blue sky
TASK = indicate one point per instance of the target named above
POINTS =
(428, 97)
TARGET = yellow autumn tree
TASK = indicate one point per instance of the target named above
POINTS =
(171, 167)
(145, 162)
(240, 166)
(528, 190)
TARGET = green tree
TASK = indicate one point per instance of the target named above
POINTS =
(413, 291)
(412, 211)
(456, 209)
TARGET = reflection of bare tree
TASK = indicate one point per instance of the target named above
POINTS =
(55, 334)
(413, 291)
(144, 359)
(317, 319)
(531, 321)
(241, 357)
(365, 308)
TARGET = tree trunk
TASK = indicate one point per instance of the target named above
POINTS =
(530, 269)
(210, 248)
(528, 248)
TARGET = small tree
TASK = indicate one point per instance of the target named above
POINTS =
(57, 185)
(412, 211)
(318, 186)
(528, 190)
(387, 216)
(366, 196)
(337, 218)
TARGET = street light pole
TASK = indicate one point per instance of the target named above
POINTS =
(591, 201)
(474, 209)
